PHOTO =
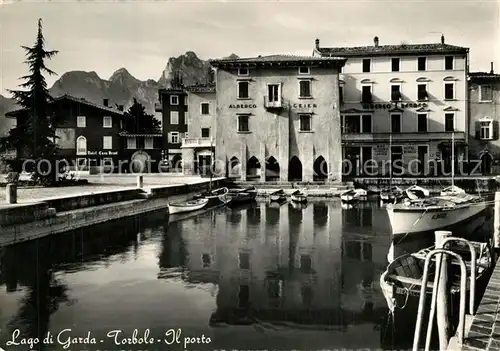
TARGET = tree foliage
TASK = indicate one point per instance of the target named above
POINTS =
(34, 135)
(137, 121)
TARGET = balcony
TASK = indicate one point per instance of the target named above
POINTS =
(197, 142)
(273, 104)
(403, 137)
(158, 107)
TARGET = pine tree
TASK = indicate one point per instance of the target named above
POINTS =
(34, 135)
(137, 121)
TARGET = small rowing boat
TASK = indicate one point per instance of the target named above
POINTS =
(415, 192)
(299, 197)
(187, 206)
(353, 195)
(278, 196)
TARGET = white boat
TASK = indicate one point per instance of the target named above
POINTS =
(187, 206)
(415, 192)
(391, 195)
(216, 196)
(435, 213)
(299, 197)
(353, 195)
(452, 191)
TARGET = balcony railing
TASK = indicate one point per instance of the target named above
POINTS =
(158, 107)
(198, 142)
(10, 154)
(273, 103)
(403, 136)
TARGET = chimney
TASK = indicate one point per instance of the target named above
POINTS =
(442, 38)
(491, 70)
(375, 41)
(316, 42)
(105, 102)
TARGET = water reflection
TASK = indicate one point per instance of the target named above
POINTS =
(296, 276)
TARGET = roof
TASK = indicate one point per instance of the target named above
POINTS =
(483, 75)
(202, 88)
(172, 90)
(278, 60)
(14, 113)
(402, 49)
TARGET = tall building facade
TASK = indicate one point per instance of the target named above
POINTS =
(278, 118)
(484, 143)
(402, 107)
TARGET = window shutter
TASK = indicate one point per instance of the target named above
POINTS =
(495, 130)
(478, 130)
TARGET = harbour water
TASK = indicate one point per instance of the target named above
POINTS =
(255, 277)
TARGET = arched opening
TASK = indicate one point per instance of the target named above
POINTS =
(253, 168)
(320, 168)
(234, 167)
(81, 145)
(486, 162)
(139, 162)
(272, 169)
(294, 170)
(177, 163)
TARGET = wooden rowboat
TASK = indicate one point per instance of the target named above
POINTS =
(187, 206)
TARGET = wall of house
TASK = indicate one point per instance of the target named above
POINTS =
(276, 133)
(173, 150)
(481, 110)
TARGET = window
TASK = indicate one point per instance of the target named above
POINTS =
(148, 143)
(366, 93)
(422, 122)
(449, 122)
(486, 129)
(396, 123)
(366, 124)
(174, 100)
(422, 92)
(422, 63)
(273, 92)
(304, 88)
(243, 123)
(174, 137)
(485, 93)
(366, 65)
(305, 123)
(341, 94)
(304, 70)
(449, 91)
(131, 143)
(244, 296)
(107, 122)
(352, 124)
(243, 90)
(205, 108)
(395, 64)
(448, 62)
(395, 92)
(81, 122)
(81, 145)
(81, 163)
(243, 72)
(244, 260)
(205, 132)
(206, 260)
(174, 117)
(274, 288)
(306, 293)
(305, 263)
(107, 142)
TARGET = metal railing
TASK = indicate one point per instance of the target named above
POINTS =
(463, 291)
(274, 103)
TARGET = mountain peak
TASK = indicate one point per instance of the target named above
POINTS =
(122, 75)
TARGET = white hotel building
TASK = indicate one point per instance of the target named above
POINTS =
(407, 101)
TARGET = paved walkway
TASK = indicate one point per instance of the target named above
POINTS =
(98, 183)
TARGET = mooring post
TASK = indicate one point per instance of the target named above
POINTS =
(443, 323)
(11, 195)
(140, 181)
(496, 221)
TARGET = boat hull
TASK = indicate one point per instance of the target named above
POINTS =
(174, 209)
(299, 198)
(414, 221)
(278, 198)
(240, 198)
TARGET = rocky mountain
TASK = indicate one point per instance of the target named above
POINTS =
(121, 88)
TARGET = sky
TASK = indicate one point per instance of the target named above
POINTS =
(105, 35)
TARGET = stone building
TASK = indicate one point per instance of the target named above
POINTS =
(402, 103)
(484, 143)
(199, 144)
(278, 118)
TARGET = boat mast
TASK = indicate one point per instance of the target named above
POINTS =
(452, 159)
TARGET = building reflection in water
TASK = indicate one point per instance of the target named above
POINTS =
(284, 264)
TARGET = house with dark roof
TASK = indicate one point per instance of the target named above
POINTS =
(402, 106)
(484, 112)
(278, 118)
(89, 136)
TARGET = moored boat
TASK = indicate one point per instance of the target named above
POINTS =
(216, 196)
(278, 196)
(401, 283)
(415, 192)
(299, 197)
(452, 191)
(391, 195)
(238, 196)
(187, 206)
(435, 213)
(353, 195)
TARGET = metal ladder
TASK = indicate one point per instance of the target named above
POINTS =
(463, 290)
